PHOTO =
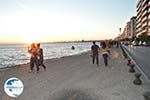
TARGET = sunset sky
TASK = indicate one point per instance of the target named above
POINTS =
(25, 21)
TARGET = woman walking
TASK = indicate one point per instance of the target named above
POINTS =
(104, 50)
(33, 60)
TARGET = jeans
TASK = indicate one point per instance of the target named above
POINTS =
(95, 56)
(40, 62)
(105, 56)
(33, 60)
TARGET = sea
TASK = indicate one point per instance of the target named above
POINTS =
(16, 54)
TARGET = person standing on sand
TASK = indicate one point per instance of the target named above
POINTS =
(104, 51)
(95, 53)
(40, 56)
(33, 60)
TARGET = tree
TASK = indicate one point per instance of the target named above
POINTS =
(144, 38)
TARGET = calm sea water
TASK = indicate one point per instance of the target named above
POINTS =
(11, 55)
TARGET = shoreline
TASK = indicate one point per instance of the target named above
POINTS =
(26, 64)
(73, 75)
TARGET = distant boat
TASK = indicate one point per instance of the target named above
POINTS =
(72, 47)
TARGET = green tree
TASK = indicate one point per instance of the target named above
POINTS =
(144, 38)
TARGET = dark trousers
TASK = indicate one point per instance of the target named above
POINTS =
(40, 62)
(95, 57)
(105, 56)
(33, 61)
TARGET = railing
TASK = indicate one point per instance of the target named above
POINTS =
(144, 31)
(139, 65)
(144, 3)
(145, 18)
(144, 13)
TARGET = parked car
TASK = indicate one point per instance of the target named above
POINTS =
(140, 43)
(144, 43)
(133, 43)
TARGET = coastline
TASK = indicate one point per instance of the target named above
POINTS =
(74, 76)
(27, 64)
(14, 55)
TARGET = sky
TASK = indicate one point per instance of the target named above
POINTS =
(26, 21)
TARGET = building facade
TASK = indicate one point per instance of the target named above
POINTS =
(133, 26)
(143, 17)
(127, 30)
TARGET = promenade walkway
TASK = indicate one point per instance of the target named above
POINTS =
(75, 78)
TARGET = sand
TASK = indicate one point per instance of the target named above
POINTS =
(76, 78)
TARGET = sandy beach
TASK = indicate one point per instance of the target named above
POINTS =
(76, 78)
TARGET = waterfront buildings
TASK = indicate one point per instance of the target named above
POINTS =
(133, 26)
(143, 17)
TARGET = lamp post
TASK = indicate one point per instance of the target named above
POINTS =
(120, 30)
(118, 43)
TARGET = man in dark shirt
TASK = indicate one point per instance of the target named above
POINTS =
(95, 54)
(40, 56)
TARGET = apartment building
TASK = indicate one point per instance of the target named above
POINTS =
(143, 17)
(127, 31)
(133, 26)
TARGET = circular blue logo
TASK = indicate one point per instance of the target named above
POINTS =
(13, 87)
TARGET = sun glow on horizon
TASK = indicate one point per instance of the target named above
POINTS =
(37, 27)
(26, 21)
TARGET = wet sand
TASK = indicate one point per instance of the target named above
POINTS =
(75, 78)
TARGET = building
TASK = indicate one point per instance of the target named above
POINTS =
(127, 30)
(133, 26)
(143, 17)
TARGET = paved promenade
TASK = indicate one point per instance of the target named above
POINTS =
(75, 78)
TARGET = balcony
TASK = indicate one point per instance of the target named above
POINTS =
(139, 11)
(139, 4)
(145, 7)
(144, 31)
(138, 20)
(145, 13)
(145, 24)
(139, 16)
(144, 19)
(138, 30)
(145, 2)
(139, 33)
(138, 25)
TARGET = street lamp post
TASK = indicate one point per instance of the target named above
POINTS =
(120, 30)
(118, 43)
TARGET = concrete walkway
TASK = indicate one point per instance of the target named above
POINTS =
(75, 78)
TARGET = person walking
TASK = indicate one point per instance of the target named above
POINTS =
(33, 58)
(40, 57)
(108, 46)
(95, 53)
(104, 51)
